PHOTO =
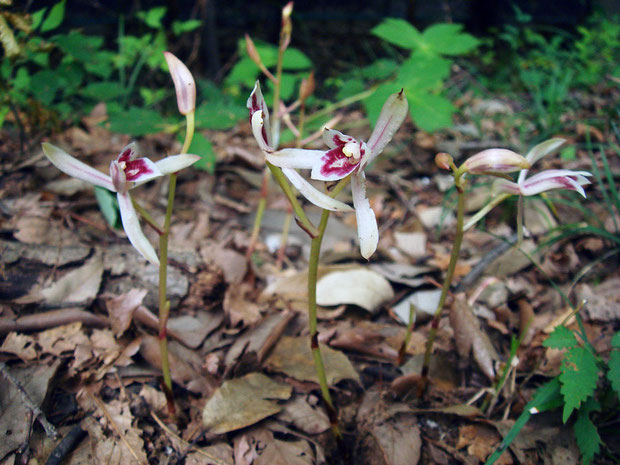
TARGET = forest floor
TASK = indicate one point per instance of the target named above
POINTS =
(78, 310)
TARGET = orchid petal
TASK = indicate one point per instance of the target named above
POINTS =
(295, 158)
(119, 180)
(495, 161)
(176, 163)
(141, 170)
(507, 187)
(538, 151)
(392, 116)
(333, 165)
(129, 153)
(367, 229)
(315, 196)
(184, 84)
(73, 167)
(131, 225)
(260, 131)
(256, 103)
(333, 138)
(556, 179)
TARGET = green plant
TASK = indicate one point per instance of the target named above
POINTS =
(422, 74)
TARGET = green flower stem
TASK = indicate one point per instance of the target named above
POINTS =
(456, 248)
(303, 220)
(313, 268)
(164, 304)
(484, 210)
(403, 348)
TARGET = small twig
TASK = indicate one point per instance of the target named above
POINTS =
(64, 447)
(51, 319)
(50, 430)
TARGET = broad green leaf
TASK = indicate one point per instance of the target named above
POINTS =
(153, 96)
(181, 27)
(136, 121)
(243, 73)
(586, 433)
(422, 72)
(37, 17)
(152, 18)
(219, 110)
(294, 59)
(55, 17)
(382, 68)
(78, 45)
(103, 91)
(374, 103)
(448, 39)
(101, 64)
(108, 204)
(398, 32)
(579, 376)
(350, 87)
(429, 111)
(45, 85)
(613, 375)
(201, 146)
(561, 338)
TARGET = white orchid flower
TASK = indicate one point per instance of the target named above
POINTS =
(546, 180)
(259, 118)
(348, 156)
(184, 84)
(126, 172)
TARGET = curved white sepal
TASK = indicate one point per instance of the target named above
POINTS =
(175, 163)
(367, 229)
(131, 225)
(392, 115)
(295, 158)
(315, 196)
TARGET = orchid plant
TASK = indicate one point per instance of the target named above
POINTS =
(128, 171)
(498, 163)
(345, 161)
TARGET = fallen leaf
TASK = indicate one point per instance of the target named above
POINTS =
(603, 301)
(21, 345)
(293, 357)
(481, 441)
(242, 402)
(277, 452)
(233, 265)
(121, 309)
(311, 419)
(425, 303)
(358, 286)
(239, 307)
(403, 273)
(191, 331)
(469, 336)
(412, 243)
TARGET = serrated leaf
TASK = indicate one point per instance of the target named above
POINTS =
(586, 433)
(561, 338)
(135, 121)
(447, 39)
(613, 374)
(423, 72)
(103, 91)
(430, 111)
(152, 18)
(579, 376)
(108, 204)
(202, 147)
(398, 32)
(55, 17)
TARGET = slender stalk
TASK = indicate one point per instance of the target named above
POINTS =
(313, 267)
(147, 217)
(456, 248)
(290, 195)
(189, 131)
(403, 348)
(520, 219)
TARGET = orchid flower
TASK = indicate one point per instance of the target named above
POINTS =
(184, 84)
(546, 180)
(126, 172)
(261, 128)
(348, 156)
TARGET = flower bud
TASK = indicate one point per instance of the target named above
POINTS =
(251, 50)
(444, 161)
(495, 161)
(184, 84)
(119, 179)
(287, 26)
(306, 89)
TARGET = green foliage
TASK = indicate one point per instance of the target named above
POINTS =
(614, 364)
(579, 376)
(586, 433)
(423, 73)
(201, 146)
(108, 204)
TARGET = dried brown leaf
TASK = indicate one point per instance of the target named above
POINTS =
(121, 309)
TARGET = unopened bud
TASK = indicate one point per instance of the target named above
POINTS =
(252, 52)
(495, 161)
(184, 84)
(444, 161)
(287, 26)
(306, 88)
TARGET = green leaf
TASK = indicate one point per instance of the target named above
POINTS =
(561, 338)
(55, 17)
(447, 39)
(586, 433)
(423, 72)
(219, 111)
(375, 101)
(78, 45)
(108, 204)
(382, 68)
(615, 340)
(45, 85)
(295, 59)
(180, 27)
(429, 111)
(244, 72)
(613, 375)
(37, 18)
(398, 32)
(579, 376)
(103, 91)
(201, 146)
(152, 18)
(136, 121)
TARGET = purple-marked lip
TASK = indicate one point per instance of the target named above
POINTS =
(136, 168)
(126, 156)
(334, 162)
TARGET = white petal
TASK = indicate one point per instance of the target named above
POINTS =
(367, 229)
(295, 158)
(261, 131)
(538, 151)
(175, 163)
(556, 179)
(74, 167)
(184, 84)
(256, 102)
(507, 187)
(131, 225)
(392, 116)
(315, 196)
(334, 138)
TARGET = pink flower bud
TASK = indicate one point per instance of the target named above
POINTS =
(443, 161)
(495, 161)
(184, 84)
